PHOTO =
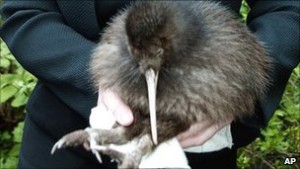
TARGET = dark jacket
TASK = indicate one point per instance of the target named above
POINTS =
(53, 40)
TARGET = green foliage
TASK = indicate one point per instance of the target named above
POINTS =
(15, 87)
(16, 83)
(10, 147)
(281, 138)
(244, 10)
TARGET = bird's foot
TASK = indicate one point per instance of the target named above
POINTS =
(99, 141)
(91, 139)
(78, 137)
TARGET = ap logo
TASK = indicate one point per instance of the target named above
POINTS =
(290, 161)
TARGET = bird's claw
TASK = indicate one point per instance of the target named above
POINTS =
(58, 145)
(79, 137)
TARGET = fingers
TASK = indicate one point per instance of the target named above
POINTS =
(115, 105)
(199, 133)
(195, 129)
(199, 138)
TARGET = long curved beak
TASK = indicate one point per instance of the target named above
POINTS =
(151, 78)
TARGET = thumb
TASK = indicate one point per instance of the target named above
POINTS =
(115, 105)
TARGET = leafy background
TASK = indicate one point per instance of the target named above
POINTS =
(279, 140)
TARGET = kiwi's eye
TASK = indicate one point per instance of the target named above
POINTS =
(160, 52)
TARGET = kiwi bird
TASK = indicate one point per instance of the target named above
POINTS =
(174, 64)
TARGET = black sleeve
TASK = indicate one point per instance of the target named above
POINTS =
(276, 23)
(46, 46)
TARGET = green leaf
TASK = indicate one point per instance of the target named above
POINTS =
(5, 136)
(5, 63)
(6, 79)
(14, 151)
(10, 162)
(20, 100)
(4, 50)
(31, 85)
(280, 113)
(11, 57)
(18, 131)
(7, 92)
(29, 77)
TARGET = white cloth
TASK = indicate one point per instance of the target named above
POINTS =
(168, 154)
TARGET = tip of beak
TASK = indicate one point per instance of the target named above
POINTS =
(154, 140)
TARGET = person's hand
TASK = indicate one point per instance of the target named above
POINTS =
(115, 105)
(199, 133)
